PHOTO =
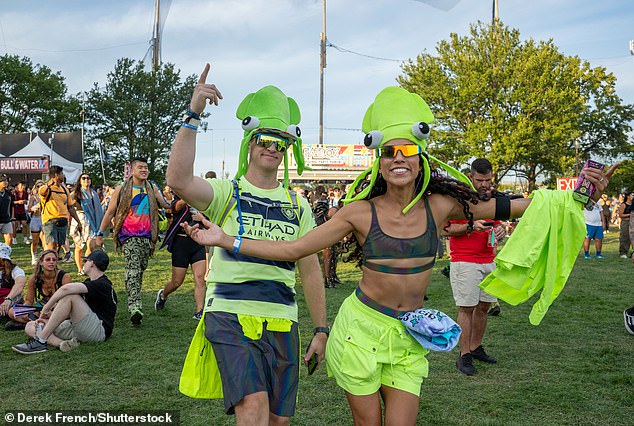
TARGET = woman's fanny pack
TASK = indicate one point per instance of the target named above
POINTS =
(431, 328)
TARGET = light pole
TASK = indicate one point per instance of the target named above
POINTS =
(577, 157)
(322, 65)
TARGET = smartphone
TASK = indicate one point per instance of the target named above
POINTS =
(312, 364)
(488, 223)
(584, 189)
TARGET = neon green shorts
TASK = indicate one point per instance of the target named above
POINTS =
(367, 349)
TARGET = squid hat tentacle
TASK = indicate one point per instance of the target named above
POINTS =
(269, 110)
(399, 114)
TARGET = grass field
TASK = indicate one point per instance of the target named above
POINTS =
(576, 368)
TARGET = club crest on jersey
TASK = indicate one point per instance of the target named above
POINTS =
(288, 212)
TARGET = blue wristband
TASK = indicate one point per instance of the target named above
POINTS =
(190, 126)
(236, 244)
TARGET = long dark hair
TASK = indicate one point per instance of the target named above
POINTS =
(39, 273)
(7, 266)
(77, 188)
(438, 184)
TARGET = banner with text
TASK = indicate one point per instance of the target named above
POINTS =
(24, 165)
(333, 157)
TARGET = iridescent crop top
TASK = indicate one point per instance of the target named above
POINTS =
(379, 245)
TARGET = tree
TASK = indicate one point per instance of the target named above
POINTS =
(520, 104)
(32, 97)
(623, 178)
(136, 114)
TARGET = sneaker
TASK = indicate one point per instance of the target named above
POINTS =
(599, 256)
(32, 346)
(445, 271)
(628, 317)
(14, 326)
(33, 260)
(465, 365)
(26, 241)
(198, 315)
(136, 317)
(586, 256)
(479, 354)
(14, 241)
(495, 310)
(68, 257)
(623, 256)
(69, 345)
(160, 302)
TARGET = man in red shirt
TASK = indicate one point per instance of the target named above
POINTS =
(472, 253)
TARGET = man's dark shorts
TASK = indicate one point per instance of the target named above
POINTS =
(269, 364)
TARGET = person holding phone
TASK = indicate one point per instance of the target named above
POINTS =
(472, 254)
(394, 219)
(250, 316)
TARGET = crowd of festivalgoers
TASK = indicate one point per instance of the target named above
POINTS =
(21, 222)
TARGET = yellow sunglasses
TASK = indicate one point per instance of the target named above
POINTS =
(266, 141)
(406, 150)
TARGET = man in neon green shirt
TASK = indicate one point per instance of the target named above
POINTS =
(250, 310)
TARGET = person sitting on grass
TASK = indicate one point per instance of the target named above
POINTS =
(12, 280)
(41, 286)
(77, 312)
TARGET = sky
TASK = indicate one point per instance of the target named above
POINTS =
(253, 43)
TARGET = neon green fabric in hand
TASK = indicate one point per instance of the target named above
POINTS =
(540, 253)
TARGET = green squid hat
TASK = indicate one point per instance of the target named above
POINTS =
(269, 110)
(398, 114)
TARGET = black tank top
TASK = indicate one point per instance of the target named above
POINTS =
(379, 245)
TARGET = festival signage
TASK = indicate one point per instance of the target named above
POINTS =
(24, 164)
(565, 184)
(335, 157)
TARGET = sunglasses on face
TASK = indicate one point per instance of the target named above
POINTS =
(406, 150)
(265, 141)
(86, 178)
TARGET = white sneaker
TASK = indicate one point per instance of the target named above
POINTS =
(26, 241)
(623, 256)
(15, 241)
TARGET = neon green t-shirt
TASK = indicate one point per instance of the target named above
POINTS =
(243, 284)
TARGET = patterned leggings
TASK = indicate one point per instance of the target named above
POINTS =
(136, 251)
